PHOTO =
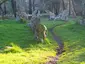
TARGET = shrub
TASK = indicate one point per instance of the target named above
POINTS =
(22, 20)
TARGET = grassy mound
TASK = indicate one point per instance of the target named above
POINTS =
(73, 36)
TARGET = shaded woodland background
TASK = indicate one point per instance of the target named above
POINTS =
(14, 7)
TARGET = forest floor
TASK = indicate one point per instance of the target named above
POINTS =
(17, 44)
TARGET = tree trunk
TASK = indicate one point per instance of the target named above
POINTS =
(30, 7)
(33, 5)
(5, 9)
(62, 7)
(37, 28)
(2, 12)
(13, 3)
(71, 9)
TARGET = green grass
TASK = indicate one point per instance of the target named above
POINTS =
(73, 36)
(17, 44)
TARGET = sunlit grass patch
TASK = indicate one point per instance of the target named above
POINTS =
(13, 48)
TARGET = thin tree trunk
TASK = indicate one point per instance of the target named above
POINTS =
(2, 12)
(13, 3)
(30, 7)
(5, 9)
(33, 5)
(61, 6)
(71, 9)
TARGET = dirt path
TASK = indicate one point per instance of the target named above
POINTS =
(60, 44)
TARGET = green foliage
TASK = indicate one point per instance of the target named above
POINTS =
(22, 20)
